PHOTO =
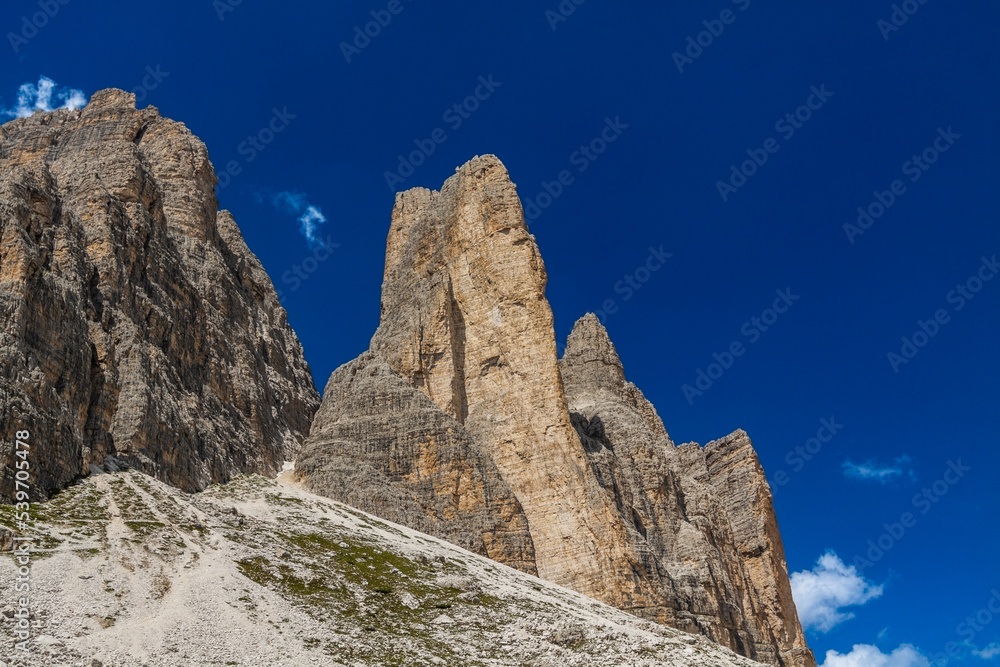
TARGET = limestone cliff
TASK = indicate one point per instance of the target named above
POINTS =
(134, 320)
(705, 514)
(136, 326)
(461, 421)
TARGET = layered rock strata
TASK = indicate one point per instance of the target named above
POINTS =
(705, 515)
(134, 320)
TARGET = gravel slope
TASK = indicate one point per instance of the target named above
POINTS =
(129, 571)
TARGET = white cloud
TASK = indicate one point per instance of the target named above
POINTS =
(310, 217)
(310, 220)
(821, 593)
(990, 652)
(292, 201)
(44, 96)
(865, 655)
(881, 473)
(76, 100)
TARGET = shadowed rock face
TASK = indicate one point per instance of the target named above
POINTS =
(705, 515)
(135, 323)
(461, 421)
(384, 447)
(134, 320)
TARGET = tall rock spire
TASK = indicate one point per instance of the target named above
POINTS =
(466, 322)
(570, 450)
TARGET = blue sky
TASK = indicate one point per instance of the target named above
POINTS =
(741, 153)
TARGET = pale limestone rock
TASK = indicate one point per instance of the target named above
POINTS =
(137, 327)
(465, 320)
(705, 514)
(384, 447)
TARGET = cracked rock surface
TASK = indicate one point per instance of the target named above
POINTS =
(142, 343)
(134, 320)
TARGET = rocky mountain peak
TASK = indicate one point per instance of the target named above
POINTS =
(566, 454)
(110, 98)
(137, 328)
(134, 321)
(590, 353)
(460, 268)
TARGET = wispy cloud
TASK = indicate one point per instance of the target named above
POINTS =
(46, 95)
(883, 473)
(865, 655)
(821, 593)
(988, 653)
(310, 217)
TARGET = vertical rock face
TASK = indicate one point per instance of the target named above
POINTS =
(742, 489)
(465, 320)
(705, 515)
(461, 421)
(134, 320)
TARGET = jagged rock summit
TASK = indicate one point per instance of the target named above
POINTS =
(460, 420)
(705, 515)
(134, 320)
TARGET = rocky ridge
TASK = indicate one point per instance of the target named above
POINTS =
(703, 516)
